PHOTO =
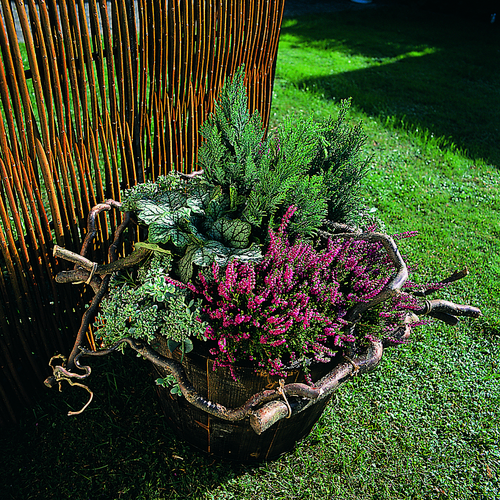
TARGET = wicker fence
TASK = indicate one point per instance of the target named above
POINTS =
(100, 96)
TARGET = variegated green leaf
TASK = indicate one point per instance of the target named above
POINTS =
(250, 254)
(179, 237)
(216, 210)
(194, 234)
(233, 232)
(183, 213)
(198, 199)
(149, 211)
(185, 267)
(172, 200)
(214, 251)
(159, 233)
(168, 219)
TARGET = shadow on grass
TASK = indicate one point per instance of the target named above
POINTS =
(120, 447)
(426, 72)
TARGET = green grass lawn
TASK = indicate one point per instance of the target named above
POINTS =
(426, 424)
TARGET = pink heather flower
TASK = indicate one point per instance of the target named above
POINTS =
(176, 283)
(277, 343)
(215, 270)
(286, 218)
(265, 308)
(288, 275)
(222, 344)
(406, 234)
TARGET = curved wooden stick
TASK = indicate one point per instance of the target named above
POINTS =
(355, 314)
(103, 288)
(130, 260)
(447, 311)
(262, 418)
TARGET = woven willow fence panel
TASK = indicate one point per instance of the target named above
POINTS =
(98, 97)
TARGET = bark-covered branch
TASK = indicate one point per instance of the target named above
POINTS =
(457, 275)
(136, 257)
(261, 418)
(447, 311)
(99, 289)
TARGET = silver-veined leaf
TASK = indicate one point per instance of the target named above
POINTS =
(233, 232)
(185, 266)
(149, 211)
(159, 233)
(179, 237)
(172, 200)
(214, 251)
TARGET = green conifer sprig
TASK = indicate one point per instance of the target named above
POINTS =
(232, 136)
(316, 166)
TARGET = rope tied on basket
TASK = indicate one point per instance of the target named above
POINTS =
(95, 265)
(281, 391)
(92, 272)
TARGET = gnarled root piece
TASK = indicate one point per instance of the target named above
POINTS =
(60, 374)
(97, 276)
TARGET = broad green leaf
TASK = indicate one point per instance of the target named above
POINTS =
(183, 213)
(198, 199)
(179, 237)
(194, 234)
(217, 208)
(168, 219)
(216, 251)
(233, 232)
(149, 211)
(173, 345)
(159, 233)
(250, 254)
(188, 345)
(186, 263)
(151, 246)
(172, 200)
(205, 255)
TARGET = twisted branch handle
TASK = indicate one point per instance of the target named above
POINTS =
(300, 396)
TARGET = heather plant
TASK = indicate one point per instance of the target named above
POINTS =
(290, 308)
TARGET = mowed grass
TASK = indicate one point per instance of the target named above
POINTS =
(426, 423)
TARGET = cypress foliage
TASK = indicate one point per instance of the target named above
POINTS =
(315, 166)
